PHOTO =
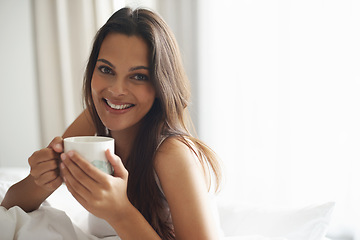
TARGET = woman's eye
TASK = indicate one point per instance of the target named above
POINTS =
(140, 77)
(105, 70)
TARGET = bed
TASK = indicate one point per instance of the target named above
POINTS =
(62, 217)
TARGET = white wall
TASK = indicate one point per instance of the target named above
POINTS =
(19, 125)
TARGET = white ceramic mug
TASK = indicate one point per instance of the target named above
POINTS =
(92, 148)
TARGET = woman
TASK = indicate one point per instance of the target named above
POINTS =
(135, 91)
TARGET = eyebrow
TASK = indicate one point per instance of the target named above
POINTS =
(107, 62)
(138, 67)
(130, 70)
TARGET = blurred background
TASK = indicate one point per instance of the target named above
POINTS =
(275, 90)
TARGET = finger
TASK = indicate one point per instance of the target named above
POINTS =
(90, 170)
(57, 144)
(42, 155)
(44, 167)
(46, 178)
(54, 184)
(79, 169)
(116, 163)
(76, 195)
(73, 186)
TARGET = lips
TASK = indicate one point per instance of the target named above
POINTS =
(114, 106)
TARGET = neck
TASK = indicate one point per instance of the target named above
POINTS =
(123, 143)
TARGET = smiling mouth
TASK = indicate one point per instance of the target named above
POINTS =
(118, 107)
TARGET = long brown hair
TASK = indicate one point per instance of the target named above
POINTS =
(167, 117)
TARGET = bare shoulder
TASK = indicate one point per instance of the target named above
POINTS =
(174, 153)
(173, 145)
(185, 187)
(82, 126)
(175, 161)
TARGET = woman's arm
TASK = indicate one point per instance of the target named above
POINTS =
(185, 185)
(43, 179)
(44, 176)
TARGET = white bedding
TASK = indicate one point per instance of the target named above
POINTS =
(44, 223)
(50, 223)
(61, 217)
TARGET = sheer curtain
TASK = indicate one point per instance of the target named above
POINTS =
(64, 31)
(279, 85)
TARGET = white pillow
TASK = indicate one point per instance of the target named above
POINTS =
(308, 223)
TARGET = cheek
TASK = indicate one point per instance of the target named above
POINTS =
(150, 95)
(93, 92)
(96, 86)
(150, 91)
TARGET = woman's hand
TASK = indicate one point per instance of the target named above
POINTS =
(101, 194)
(44, 165)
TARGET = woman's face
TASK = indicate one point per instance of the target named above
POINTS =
(121, 89)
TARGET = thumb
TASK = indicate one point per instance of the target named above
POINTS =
(116, 163)
(57, 145)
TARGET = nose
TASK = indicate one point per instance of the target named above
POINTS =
(119, 87)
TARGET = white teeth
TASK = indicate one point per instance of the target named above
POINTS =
(118, 107)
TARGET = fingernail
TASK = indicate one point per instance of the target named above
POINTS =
(62, 156)
(70, 153)
(58, 146)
